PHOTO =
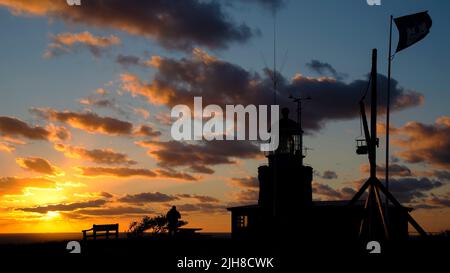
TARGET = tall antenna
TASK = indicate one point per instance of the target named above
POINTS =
(299, 100)
(274, 78)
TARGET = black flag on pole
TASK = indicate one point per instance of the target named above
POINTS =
(412, 28)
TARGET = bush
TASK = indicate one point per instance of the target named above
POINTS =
(156, 225)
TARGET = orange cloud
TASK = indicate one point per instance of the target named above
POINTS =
(6, 147)
(35, 7)
(65, 43)
(39, 165)
(142, 112)
(163, 118)
(156, 94)
(58, 133)
(425, 143)
(16, 185)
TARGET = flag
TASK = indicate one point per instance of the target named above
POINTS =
(412, 28)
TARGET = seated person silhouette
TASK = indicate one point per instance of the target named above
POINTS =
(172, 218)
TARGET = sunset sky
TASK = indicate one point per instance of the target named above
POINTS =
(86, 93)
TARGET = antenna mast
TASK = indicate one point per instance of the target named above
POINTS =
(299, 100)
(274, 60)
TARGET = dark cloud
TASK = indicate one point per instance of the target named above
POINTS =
(246, 196)
(424, 206)
(325, 69)
(271, 5)
(336, 100)
(199, 156)
(123, 172)
(99, 102)
(101, 156)
(106, 194)
(203, 207)
(13, 127)
(246, 182)
(170, 173)
(116, 172)
(440, 201)
(87, 121)
(93, 123)
(130, 60)
(424, 143)
(407, 189)
(39, 165)
(147, 131)
(147, 197)
(65, 207)
(173, 24)
(158, 197)
(220, 82)
(442, 175)
(394, 170)
(105, 100)
(201, 169)
(433, 202)
(328, 174)
(200, 198)
(323, 190)
(122, 211)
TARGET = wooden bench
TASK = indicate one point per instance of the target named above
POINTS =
(102, 230)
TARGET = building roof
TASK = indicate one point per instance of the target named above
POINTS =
(339, 203)
(331, 203)
(244, 208)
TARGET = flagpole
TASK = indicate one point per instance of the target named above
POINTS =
(387, 114)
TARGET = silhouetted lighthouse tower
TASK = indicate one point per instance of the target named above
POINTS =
(284, 187)
(285, 183)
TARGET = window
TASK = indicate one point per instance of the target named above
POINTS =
(242, 221)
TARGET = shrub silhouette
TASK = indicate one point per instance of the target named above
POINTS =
(156, 225)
